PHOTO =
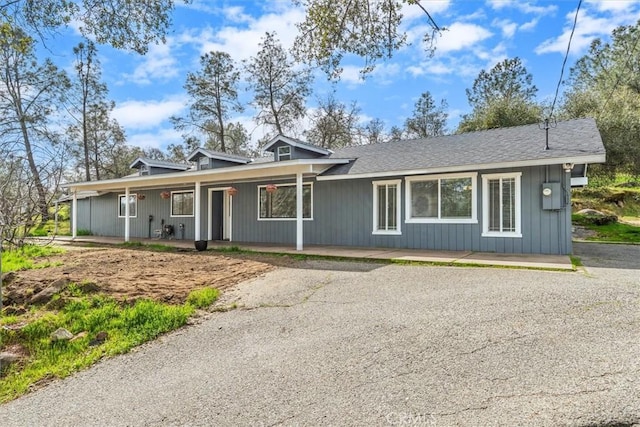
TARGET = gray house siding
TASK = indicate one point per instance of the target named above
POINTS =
(343, 215)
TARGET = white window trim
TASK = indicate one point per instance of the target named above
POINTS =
(474, 199)
(135, 196)
(376, 184)
(286, 219)
(280, 153)
(171, 207)
(485, 205)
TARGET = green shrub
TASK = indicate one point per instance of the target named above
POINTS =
(202, 298)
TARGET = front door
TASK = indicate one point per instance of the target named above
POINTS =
(219, 214)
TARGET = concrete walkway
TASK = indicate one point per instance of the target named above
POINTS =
(555, 262)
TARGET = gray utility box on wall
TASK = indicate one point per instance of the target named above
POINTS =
(551, 196)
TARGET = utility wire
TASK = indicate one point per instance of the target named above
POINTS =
(564, 63)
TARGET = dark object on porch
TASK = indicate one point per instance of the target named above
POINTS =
(201, 245)
(168, 231)
(181, 228)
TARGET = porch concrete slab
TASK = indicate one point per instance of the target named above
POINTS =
(557, 262)
(427, 256)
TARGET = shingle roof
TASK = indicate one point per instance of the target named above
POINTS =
(217, 155)
(569, 139)
(158, 164)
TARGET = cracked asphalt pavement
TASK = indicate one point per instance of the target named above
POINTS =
(329, 343)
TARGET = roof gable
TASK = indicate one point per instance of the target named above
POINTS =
(151, 163)
(211, 154)
(296, 143)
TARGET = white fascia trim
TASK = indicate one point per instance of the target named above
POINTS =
(594, 158)
(190, 177)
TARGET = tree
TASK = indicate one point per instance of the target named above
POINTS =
(214, 95)
(428, 120)
(605, 84)
(334, 124)
(370, 29)
(373, 131)
(280, 86)
(30, 97)
(124, 24)
(93, 130)
(504, 96)
(396, 133)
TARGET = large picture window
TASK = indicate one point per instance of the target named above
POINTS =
(182, 203)
(501, 201)
(386, 207)
(441, 198)
(281, 203)
(133, 205)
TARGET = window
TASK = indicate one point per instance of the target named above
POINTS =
(203, 162)
(281, 204)
(284, 152)
(133, 205)
(182, 203)
(501, 201)
(386, 207)
(441, 198)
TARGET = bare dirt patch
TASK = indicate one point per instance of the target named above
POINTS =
(131, 274)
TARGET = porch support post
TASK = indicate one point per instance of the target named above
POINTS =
(74, 219)
(299, 213)
(196, 208)
(127, 213)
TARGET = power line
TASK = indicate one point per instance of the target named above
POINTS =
(566, 56)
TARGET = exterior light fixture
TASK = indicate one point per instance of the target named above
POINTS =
(232, 191)
(271, 188)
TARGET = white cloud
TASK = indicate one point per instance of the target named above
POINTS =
(587, 28)
(236, 14)
(147, 114)
(157, 64)
(613, 5)
(507, 27)
(351, 75)
(523, 6)
(412, 12)
(461, 36)
(528, 26)
(160, 139)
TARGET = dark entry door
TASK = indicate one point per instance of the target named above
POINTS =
(217, 210)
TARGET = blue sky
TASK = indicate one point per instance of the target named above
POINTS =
(148, 89)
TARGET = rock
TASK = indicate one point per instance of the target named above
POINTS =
(8, 358)
(620, 204)
(88, 287)
(79, 336)
(101, 337)
(61, 334)
(8, 278)
(47, 293)
(595, 217)
(12, 310)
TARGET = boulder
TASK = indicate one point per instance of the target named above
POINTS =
(101, 337)
(47, 293)
(8, 277)
(61, 334)
(595, 217)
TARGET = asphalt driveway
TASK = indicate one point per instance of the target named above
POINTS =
(366, 344)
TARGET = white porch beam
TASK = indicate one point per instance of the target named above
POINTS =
(74, 219)
(127, 214)
(299, 212)
(196, 207)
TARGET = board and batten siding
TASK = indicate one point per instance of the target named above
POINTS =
(343, 216)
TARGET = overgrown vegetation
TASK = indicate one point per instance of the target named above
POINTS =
(202, 298)
(158, 247)
(27, 257)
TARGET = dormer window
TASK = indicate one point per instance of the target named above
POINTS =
(284, 152)
(144, 170)
(204, 162)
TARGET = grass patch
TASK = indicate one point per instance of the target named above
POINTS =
(158, 247)
(616, 232)
(26, 257)
(232, 249)
(575, 261)
(202, 298)
(126, 326)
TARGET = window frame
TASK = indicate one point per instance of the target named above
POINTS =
(474, 199)
(376, 185)
(135, 199)
(310, 184)
(517, 205)
(280, 154)
(193, 208)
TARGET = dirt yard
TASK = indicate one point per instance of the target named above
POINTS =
(134, 273)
